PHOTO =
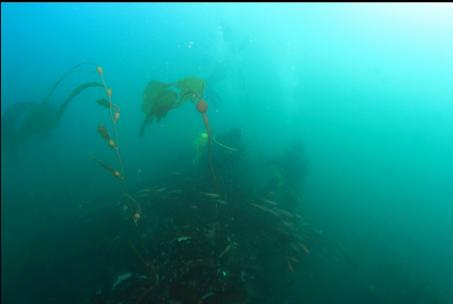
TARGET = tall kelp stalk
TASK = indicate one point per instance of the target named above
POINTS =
(114, 113)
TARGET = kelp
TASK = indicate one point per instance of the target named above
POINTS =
(63, 77)
(159, 98)
(103, 132)
(33, 119)
(192, 88)
(40, 119)
(105, 135)
(117, 174)
(114, 113)
(103, 102)
(77, 91)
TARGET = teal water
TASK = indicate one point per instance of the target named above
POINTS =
(366, 88)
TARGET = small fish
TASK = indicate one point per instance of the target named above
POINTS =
(220, 201)
(265, 209)
(290, 266)
(283, 212)
(293, 259)
(183, 238)
(145, 190)
(209, 294)
(270, 202)
(225, 250)
(304, 248)
(213, 195)
(175, 191)
(160, 189)
(289, 225)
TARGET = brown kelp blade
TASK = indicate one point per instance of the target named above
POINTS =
(105, 135)
(158, 100)
(103, 132)
(192, 88)
(63, 77)
(152, 93)
(112, 171)
(77, 91)
(103, 102)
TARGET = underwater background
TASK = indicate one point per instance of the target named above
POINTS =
(341, 114)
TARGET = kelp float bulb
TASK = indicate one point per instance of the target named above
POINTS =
(109, 92)
(117, 174)
(112, 144)
(100, 70)
(116, 116)
(202, 106)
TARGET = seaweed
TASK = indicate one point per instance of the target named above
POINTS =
(117, 174)
(159, 98)
(31, 119)
(112, 141)
(63, 77)
(103, 102)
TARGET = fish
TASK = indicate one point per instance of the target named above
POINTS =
(227, 248)
(270, 202)
(290, 266)
(283, 212)
(265, 209)
(175, 191)
(293, 259)
(304, 248)
(213, 195)
(145, 190)
(289, 225)
(222, 202)
(183, 238)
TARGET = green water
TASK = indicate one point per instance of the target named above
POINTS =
(366, 88)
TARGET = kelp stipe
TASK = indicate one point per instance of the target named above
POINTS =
(112, 141)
